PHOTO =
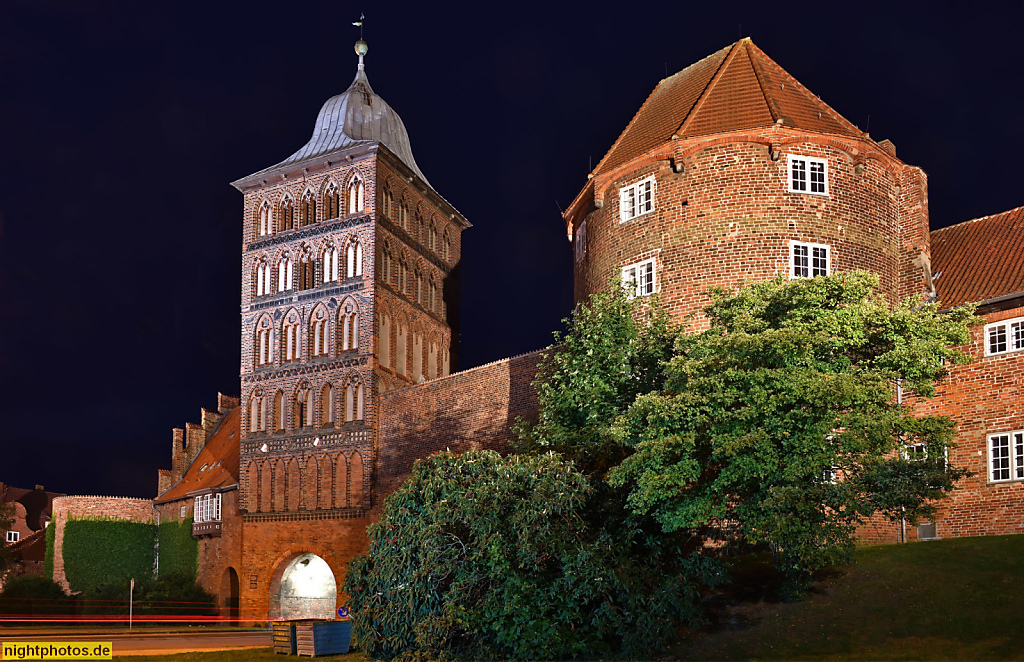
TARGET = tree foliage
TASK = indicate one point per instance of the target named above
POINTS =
(6, 520)
(29, 594)
(482, 557)
(783, 418)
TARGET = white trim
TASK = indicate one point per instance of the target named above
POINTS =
(802, 174)
(636, 199)
(810, 257)
(1010, 337)
(643, 276)
(1011, 456)
(13, 536)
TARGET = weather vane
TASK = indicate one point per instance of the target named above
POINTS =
(362, 17)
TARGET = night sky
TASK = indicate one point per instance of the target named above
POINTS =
(122, 124)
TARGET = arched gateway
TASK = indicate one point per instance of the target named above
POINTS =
(303, 587)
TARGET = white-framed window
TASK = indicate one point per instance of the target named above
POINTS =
(13, 536)
(1005, 336)
(181, 513)
(1006, 456)
(207, 508)
(581, 241)
(808, 174)
(636, 199)
(809, 260)
(639, 278)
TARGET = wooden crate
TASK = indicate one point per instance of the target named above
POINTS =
(314, 638)
(284, 637)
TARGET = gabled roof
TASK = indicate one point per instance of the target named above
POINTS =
(738, 87)
(216, 465)
(979, 259)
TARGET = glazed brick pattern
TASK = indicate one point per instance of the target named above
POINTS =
(82, 507)
(728, 217)
(468, 410)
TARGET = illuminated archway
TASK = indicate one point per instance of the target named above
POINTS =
(306, 589)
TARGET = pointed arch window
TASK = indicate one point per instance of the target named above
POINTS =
(384, 339)
(330, 264)
(263, 221)
(354, 404)
(403, 214)
(432, 296)
(446, 248)
(327, 404)
(290, 332)
(307, 215)
(279, 411)
(257, 414)
(332, 200)
(419, 288)
(318, 331)
(402, 273)
(303, 408)
(356, 191)
(354, 259)
(400, 351)
(307, 273)
(285, 274)
(432, 361)
(432, 237)
(264, 338)
(386, 263)
(417, 357)
(349, 319)
(387, 202)
(286, 213)
(264, 281)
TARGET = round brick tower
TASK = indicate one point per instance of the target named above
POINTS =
(733, 172)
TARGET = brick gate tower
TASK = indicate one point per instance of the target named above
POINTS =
(350, 288)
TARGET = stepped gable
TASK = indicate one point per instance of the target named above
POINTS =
(979, 259)
(216, 465)
(738, 87)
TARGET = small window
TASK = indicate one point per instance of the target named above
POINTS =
(1006, 456)
(808, 174)
(1003, 337)
(639, 278)
(181, 513)
(581, 241)
(13, 536)
(636, 199)
(809, 260)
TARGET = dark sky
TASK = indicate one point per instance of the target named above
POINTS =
(122, 123)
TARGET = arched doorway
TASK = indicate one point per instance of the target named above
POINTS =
(229, 595)
(306, 589)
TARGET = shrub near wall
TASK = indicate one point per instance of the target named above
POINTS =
(48, 559)
(98, 551)
(179, 551)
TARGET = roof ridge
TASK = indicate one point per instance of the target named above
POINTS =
(733, 49)
(814, 98)
(979, 218)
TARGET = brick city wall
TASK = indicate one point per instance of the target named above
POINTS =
(82, 507)
(469, 410)
(728, 217)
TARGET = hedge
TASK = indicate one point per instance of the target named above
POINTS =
(48, 559)
(179, 551)
(103, 550)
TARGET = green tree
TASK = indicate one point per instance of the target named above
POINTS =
(6, 520)
(482, 557)
(782, 420)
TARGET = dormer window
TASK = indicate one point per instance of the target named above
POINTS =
(808, 174)
(636, 199)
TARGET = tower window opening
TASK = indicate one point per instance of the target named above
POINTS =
(264, 222)
(354, 259)
(638, 279)
(327, 403)
(307, 273)
(349, 328)
(330, 264)
(387, 202)
(581, 241)
(318, 335)
(308, 212)
(291, 340)
(356, 191)
(809, 260)
(331, 201)
(808, 174)
(286, 214)
(285, 274)
(636, 199)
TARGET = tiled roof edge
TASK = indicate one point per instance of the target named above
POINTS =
(979, 218)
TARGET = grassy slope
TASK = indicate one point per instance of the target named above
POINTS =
(957, 599)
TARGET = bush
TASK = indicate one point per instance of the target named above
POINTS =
(482, 557)
(179, 551)
(100, 551)
(51, 532)
(174, 595)
(29, 594)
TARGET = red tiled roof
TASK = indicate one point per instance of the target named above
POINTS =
(979, 259)
(738, 87)
(215, 466)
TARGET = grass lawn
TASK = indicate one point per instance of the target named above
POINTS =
(960, 599)
(242, 655)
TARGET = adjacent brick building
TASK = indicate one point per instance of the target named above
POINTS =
(731, 171)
